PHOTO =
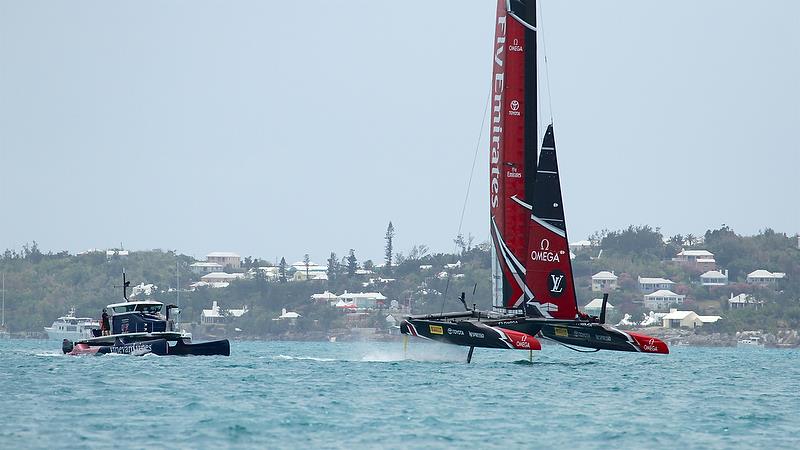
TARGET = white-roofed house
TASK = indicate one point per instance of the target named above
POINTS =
(291, 316)
(686, 319)
(213, 315)
(215, 285)
(312, 272)
(648, 284)
(325, 297)
(714, 278)
(238, 312)
(701, 259)
(271, 273)
(221, 277)
(744, 301)
(604, 281)
(578, 246)
(363, 300)
(216, 315)
(763, 277)
(202, 268)
(225, 259)
(595, 307)
(662, 299)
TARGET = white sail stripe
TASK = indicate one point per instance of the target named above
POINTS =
(553, 220)
(522, 22)
(548, 226)
(506, 251)
(547, 171)
(523, 204)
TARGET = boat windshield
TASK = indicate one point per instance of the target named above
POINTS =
(149, 309)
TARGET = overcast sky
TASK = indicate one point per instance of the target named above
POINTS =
(282, 128)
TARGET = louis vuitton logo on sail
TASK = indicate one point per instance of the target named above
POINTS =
(556, 282)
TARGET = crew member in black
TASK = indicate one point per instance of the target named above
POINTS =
(104, 324)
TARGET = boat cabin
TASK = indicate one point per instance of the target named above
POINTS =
(140, 317)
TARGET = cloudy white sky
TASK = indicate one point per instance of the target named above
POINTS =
(279, 128)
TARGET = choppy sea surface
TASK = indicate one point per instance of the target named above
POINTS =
(368, 395)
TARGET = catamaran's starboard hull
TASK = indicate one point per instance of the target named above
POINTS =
(602, 337)
(469, 333)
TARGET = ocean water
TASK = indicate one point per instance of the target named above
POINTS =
(366, 395)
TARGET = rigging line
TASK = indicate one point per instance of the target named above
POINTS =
(474, 160)
(546, 66)
(568, 346)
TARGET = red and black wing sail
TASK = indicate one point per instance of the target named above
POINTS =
(512, 151)
(548, 266)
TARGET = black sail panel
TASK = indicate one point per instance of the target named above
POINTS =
(548, 266)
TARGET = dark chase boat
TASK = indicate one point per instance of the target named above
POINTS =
(142, 327)
(533, 293)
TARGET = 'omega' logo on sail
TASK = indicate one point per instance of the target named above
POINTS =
(544, 253)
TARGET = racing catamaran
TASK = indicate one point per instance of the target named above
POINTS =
(533, 293)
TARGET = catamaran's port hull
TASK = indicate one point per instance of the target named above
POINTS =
(469, 333)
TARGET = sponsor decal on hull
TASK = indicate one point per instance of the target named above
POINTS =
(435, 329)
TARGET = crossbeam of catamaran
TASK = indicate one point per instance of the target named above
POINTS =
(533, 290)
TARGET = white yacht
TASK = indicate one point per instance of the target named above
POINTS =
(71, 327)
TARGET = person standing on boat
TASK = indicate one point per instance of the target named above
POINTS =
(104, 324)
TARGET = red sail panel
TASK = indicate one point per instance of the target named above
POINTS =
(507, 177)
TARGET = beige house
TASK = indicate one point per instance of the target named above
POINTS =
(604, 281)
(225, 259)
(686, 319)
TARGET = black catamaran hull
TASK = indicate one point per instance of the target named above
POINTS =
(221, 347)
(469, 333)
(521, 333)
(601, 337)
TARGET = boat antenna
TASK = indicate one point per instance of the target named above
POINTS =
(444, 297)
(178, 283)
(125, 285)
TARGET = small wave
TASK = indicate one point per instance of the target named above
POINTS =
(49, 354)
(302, 358)
(523, 362)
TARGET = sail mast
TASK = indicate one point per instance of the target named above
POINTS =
(512, 152)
